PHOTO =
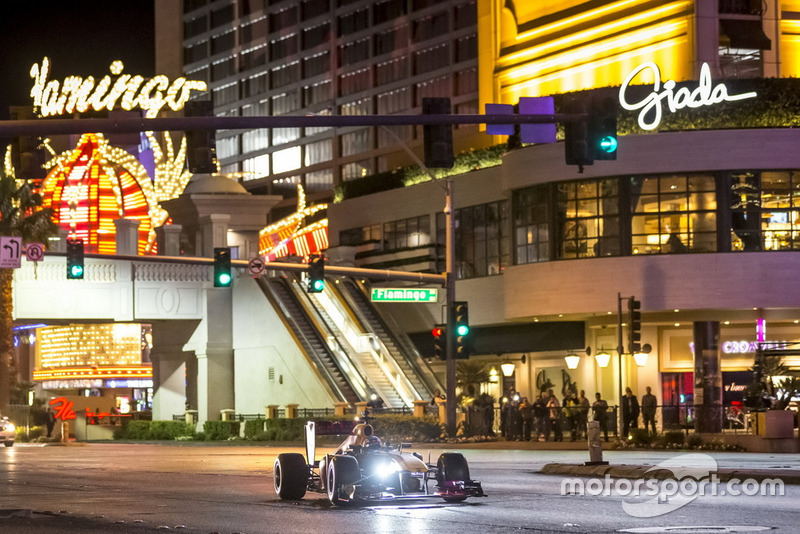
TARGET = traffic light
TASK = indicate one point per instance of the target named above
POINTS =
(74, 259)
(200, 144)
(438, 137)
(316, 275)
(577, 144)
(603, 129)
(439, 342)
(634, 326)
(222, 267)
(461, 325)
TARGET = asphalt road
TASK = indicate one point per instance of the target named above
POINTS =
(137, 488)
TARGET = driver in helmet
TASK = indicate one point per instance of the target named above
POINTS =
(374, 442)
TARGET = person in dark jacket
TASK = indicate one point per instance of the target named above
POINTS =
(649, 407)
(630, 412)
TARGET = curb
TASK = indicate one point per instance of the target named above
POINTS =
(787, 476)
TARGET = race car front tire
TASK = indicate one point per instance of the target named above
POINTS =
(452, 466)
(342, 471)
(290, 476)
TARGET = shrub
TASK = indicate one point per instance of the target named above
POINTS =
(398, 427)
(141, 430)
(639, 437)
(694, 441)
(221, 430)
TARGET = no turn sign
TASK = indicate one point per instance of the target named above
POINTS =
(256, 267)
(34, 251)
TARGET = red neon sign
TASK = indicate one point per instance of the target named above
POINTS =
(63, 408)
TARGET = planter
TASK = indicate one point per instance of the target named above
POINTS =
(776, 424)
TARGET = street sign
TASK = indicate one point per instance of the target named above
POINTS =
(255, 266)
(10, 252)
(34, 251)
(404, 294)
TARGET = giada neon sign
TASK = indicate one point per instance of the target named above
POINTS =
(79, 94)
(706, 94)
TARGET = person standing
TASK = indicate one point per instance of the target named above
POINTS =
(584, 406)
(554, 407)
(599, 409)
(51, 421)
(539, 417)
(571, 414)
(649, 406)
(526, 413)
(630, 412)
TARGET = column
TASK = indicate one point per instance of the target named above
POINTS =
(127, 236)
(707, 378)
(213, 233)
(168, 238)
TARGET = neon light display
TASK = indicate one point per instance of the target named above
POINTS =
(289, 237)
(651, 106)
(95, 184)
(79, 94)
(139, 372)
(63, 408)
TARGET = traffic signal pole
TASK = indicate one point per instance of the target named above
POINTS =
(450, 297)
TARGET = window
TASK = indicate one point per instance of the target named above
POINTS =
(354, 52)
(222, 69)
(391, 40)
(256, 167)
(466, 48)
(254, 31)
(359, 107)
(226, 94)
(223, 43)
(313, 8)
(319, 181)
(227, 147)
(355, 142)
(386, 11)
(195, 53)
(316, 35)
(319, 92)
(359, 236)
(394, 101)
(531, 228)
(482, 239)
(353, 22)
(430, 59)
(285, 103)
(195, 27)
(358, 169)
(430, 27)
(283, 19)
(406, 233)
(282, 48)
(222, 16)
(281, 136)
(286, 160)
(253, 58)
(673, 214)
(316, 64)
(254, 140)
(255, 85)
(466, 81)
(392, 70)
(318, 152)
(466, 16)
(285, 74)
(433, 88)
(587, 218)
(354, 82)
(764, 210)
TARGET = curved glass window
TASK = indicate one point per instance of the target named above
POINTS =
(673, 214)
(765, 210)
(587, 218)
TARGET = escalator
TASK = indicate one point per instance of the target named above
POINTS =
(393, 338)
(279, 292)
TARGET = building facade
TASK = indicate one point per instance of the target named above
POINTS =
(695, 219)
(339, 57)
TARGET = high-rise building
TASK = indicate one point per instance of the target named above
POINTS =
(343, 57)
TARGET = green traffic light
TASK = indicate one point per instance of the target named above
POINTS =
(76, 270)
(462, 330)
(608, 144)
(224, 279)
(318, 285)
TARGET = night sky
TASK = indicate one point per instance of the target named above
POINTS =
(81, 38)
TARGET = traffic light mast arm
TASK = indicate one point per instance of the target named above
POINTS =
(128, 125)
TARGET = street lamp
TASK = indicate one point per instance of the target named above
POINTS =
(572, 360)
(602, 358)
(508, 367)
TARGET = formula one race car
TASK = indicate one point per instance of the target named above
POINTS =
(363, 469)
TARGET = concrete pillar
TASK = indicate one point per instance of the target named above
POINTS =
(360, 407)
(127, 236)
(168, 238)
(339, 408)
(707, 378)
(213, 233)
(706, 37)
(419, 408)
(58, 243)
(291, 411)
(174, 369)
(272, 411)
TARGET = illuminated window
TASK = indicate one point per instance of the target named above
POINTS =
(286, 160)
(587, 218)
(531, 228)
(482, 240)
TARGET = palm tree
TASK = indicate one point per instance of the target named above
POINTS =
(20, 215)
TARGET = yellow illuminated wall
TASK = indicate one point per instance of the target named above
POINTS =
(88, 345)
(790, 38)
(550, 47)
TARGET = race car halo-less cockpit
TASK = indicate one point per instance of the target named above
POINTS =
(364, 469)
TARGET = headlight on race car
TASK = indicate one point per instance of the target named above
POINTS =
(9, 427)
(387, 469)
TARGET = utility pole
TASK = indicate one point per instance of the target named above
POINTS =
(620, 352)
(450, 297)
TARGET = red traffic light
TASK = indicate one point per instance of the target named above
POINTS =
(438, 331)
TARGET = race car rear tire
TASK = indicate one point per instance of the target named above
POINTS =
(452, 466)
(342, 471)
(9, 444)
(290, 476)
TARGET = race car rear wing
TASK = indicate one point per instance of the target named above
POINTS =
(324, 428)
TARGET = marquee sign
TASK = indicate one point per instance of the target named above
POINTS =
(706, 94)
(79, 94)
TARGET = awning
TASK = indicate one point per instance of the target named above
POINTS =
(746, 33)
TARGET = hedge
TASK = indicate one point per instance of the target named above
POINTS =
(392, 427)
(220, 430)
(140, 430)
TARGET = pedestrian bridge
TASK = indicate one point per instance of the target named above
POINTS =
(260, 342)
